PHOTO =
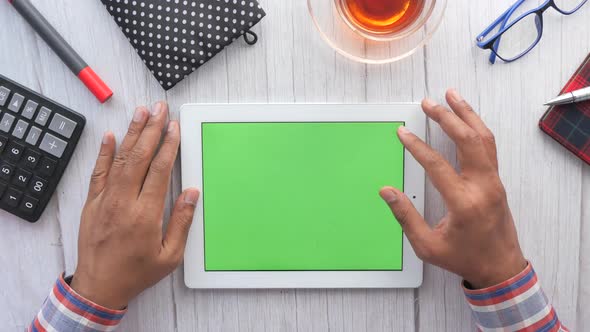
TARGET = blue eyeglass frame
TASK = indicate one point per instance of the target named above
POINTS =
(493, 42)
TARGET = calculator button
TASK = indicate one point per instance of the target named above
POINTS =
(38, 186)
(33, 136)
(43, 116)
(62, 125)
(4, 92)
(21, 178)
(6, 123)
(3, 141)
(47, 167)
(6, 171)
(2, 188)
(28, 205)
(14, 151)
(20, 129)
(30, 159)
(12, 197)
(30, 109)
(16, 102)
(53, 145)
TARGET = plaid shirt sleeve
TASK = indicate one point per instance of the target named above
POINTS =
(65, 310)
(518, 304)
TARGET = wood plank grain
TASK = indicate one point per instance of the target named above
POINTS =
(268, 74)
(532, 169)
(547, 187)
(583, 309)
(314, 68)
(324, 76)
(580, 48)
(32, 254)
(133, 85)
(403, 81)
(567, 300)
(441, 303)
(203, 310)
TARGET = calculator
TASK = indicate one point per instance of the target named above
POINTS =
(37, 139)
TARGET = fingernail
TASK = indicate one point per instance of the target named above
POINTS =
(191, 197)
(106, 138)
(388, 195)
(429, 102)
(139, 115)
(455, 96)
(403, 130)
(157, 109)
(172, 126)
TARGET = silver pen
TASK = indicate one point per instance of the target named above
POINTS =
(571, 97)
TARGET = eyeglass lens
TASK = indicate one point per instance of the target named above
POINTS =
(568, 6)
(517, 40)
(527, 31)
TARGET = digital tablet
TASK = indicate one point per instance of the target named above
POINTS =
(290, 195)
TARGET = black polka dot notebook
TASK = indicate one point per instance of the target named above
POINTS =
(175, 37)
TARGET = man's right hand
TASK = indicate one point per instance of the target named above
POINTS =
(477, 238)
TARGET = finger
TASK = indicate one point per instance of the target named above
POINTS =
(414, 226)
(140, 118)
(471, 152)
(140, 157)
(466, 113)
(174, 241)
(158, 177)
(441, 173)
(103, 165)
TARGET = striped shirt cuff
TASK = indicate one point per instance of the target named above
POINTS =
(66, 310)
(518, 304)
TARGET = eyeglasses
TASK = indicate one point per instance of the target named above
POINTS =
(521, 35)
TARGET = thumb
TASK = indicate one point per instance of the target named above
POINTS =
(179, 226)
(414, 226)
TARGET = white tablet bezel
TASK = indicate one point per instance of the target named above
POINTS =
(191, 118)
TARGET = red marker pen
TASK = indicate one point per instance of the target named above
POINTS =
(63, 49)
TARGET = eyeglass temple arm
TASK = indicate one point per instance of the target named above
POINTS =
(502, 20)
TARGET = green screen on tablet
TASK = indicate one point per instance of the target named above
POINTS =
(300, 196)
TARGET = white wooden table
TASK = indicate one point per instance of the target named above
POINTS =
(548, 188)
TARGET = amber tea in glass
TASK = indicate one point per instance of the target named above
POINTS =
(380, 18)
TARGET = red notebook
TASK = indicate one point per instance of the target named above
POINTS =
(570, 124)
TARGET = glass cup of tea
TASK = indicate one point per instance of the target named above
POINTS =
(376, 31)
